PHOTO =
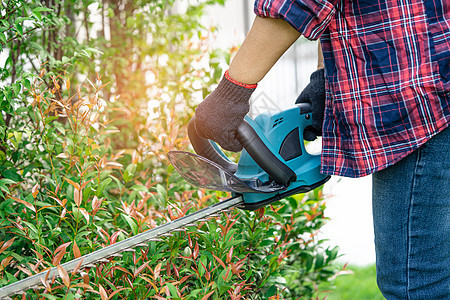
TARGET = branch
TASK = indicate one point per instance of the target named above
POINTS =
(28, 31)
(16, 37)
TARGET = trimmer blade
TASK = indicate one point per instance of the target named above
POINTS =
(203, 173)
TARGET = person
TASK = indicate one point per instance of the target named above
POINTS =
(381, 101)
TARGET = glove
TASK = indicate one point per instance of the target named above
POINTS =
(314, 93)
(220, 114)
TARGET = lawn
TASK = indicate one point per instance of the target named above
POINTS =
(361, 285)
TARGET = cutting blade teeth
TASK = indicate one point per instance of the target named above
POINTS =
(129, 250)
(90, 266)
(166, 234)
(179, 230)
(20, 293)
(116, 255)
(141, 245)
(154, 240)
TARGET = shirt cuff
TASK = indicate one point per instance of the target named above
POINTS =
(309, 17)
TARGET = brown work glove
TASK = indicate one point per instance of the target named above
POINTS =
(220, 114)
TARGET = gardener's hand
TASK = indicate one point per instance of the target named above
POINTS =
(220, 114)
(314, 93)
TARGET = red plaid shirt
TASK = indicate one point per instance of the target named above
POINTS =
(387, 65)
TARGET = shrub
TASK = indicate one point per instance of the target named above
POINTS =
(81, 169)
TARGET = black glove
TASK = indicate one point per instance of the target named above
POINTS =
(220, 114)
(314, 93)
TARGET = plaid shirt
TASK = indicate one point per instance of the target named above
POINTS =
(387, 65)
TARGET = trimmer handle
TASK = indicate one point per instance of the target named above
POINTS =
(252, 143)
(204, 147)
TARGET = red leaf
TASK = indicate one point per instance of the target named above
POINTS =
(26, 271)
(139, 270)
(64, 276)
(82, 285)
(27, 204)
(6, 245)
(75, 185)
(196, 250)
(76, 250)
(59, 253)
(46, 284)
(177, 274)
(185, 278)
(229, 255)
(120, 269)
(190, 241)
(77, 196)
(220, 261)
(207, 295)
(85, 183)
(35, 190)
(103, 293)
(156, 271)
(58, 257)
(85, 214)
(62, 247)
(116, 291)
(75, 270)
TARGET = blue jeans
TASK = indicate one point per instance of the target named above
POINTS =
(411, 215)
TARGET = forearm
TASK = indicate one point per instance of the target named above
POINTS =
(320, 64)
(265, 43)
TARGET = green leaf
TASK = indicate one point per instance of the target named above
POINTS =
(33, 230)
(60, 127)
(129, 172)
(132, 223)
(139, 188)
(26, 83)
(17, 256)
(37, 15)
(19, 28)
(172, 289)
(41, 9)
(102, 186)
(11, 277)
(51, 297)
(6, 181)
(12, 175)
(2, 38)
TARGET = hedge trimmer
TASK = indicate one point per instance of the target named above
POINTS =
(273, 165)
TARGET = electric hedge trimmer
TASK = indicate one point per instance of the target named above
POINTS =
(273, 165)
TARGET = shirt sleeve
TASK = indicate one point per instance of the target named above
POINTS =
(309, 17)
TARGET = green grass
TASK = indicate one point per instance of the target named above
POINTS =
(361, 285)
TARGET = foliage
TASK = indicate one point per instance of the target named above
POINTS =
(83, 162)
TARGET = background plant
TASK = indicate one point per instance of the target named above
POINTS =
(83, 161)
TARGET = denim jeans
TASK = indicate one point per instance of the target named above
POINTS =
(411, 214)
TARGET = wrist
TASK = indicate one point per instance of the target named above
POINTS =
(239, 83)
